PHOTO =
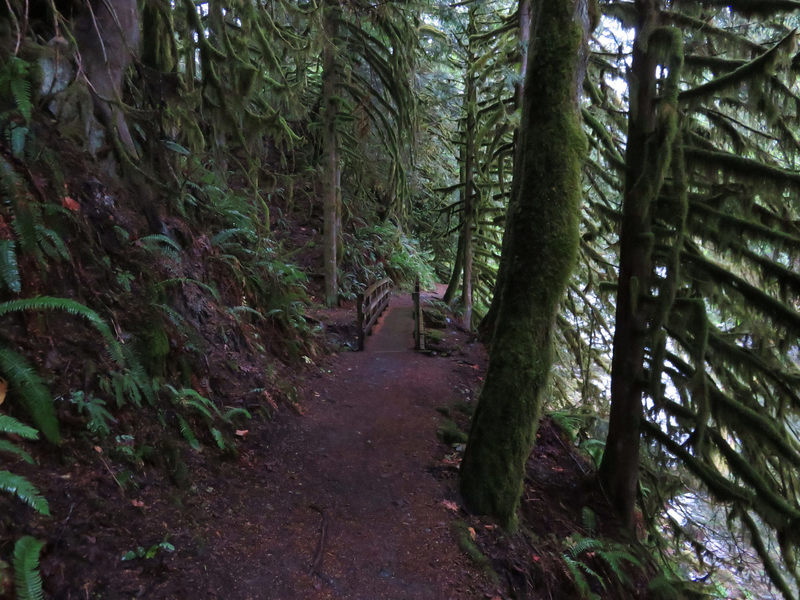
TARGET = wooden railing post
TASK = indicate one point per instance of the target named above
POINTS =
(419, 323)
(360, 320)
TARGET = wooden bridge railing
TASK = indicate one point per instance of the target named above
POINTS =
(370, 305)
(419, 322)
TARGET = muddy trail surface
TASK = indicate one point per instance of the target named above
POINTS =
(351, 505)
(351, 496)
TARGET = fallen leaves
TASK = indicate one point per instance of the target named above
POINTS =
(70, 204)
(452, 460)
(450, 505)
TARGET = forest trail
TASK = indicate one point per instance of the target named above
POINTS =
(346, 501)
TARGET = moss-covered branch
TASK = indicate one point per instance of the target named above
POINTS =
(756, 67)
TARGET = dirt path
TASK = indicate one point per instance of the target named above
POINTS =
(347, 501)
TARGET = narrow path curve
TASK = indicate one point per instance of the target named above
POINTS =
(347, 502)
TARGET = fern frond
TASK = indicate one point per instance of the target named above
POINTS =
(27, 579)
(21, 87)
(190, 397)
(584, 545)
(232, 413)
(188, 433)
(217, 435)
(9, 270)
(19, 486)
(235, 310)
(567, 422)
(576, 569)
(159, 242)
(52, 244)
(52, 303)
(71, 307)
(25, 218)
(614, 558)
(31, 392)
(200, 407)
(185, 280)
(175, 317)
(223, 236)
(6, 446)
(9, 424)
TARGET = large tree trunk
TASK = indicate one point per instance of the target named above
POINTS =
(540, 254)
(647, 160)
(470, 191)
(330, 176)
(458, 266)
(107, 34)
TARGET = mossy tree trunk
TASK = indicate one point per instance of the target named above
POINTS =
(540, 254)
(652, 126)
(330, 173)
(458, 265)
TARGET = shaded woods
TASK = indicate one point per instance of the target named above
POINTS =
(194, 195)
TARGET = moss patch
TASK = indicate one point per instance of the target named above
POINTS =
(450, 433)
(464, 537)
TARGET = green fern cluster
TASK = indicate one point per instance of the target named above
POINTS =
(272, 287)
(611, 556)
(27, 580)
(31, 391)
(189, 401)
(15, 84)
(33, 236)
(385, 251)
(16, 485)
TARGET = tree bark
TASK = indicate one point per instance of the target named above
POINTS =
(458, 266)
(108, 37)
(468, 208)
(330, 176)
(647, 160)
(540, 254)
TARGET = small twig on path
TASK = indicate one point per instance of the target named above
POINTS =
(569, 452)
(316, 564)
(108, 468)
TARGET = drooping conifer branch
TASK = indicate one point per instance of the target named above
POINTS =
(747, 72)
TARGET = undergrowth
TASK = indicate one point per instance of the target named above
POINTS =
(380, 251)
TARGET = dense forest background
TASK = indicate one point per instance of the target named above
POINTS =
(182, 181)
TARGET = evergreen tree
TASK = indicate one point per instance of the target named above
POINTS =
(705, 349)
(541, 250)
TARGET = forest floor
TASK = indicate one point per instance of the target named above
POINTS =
(353, 494)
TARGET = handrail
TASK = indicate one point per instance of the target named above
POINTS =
(419, 321)
(370, 304)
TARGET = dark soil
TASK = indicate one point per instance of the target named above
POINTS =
(338, 498)
(347, 495)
